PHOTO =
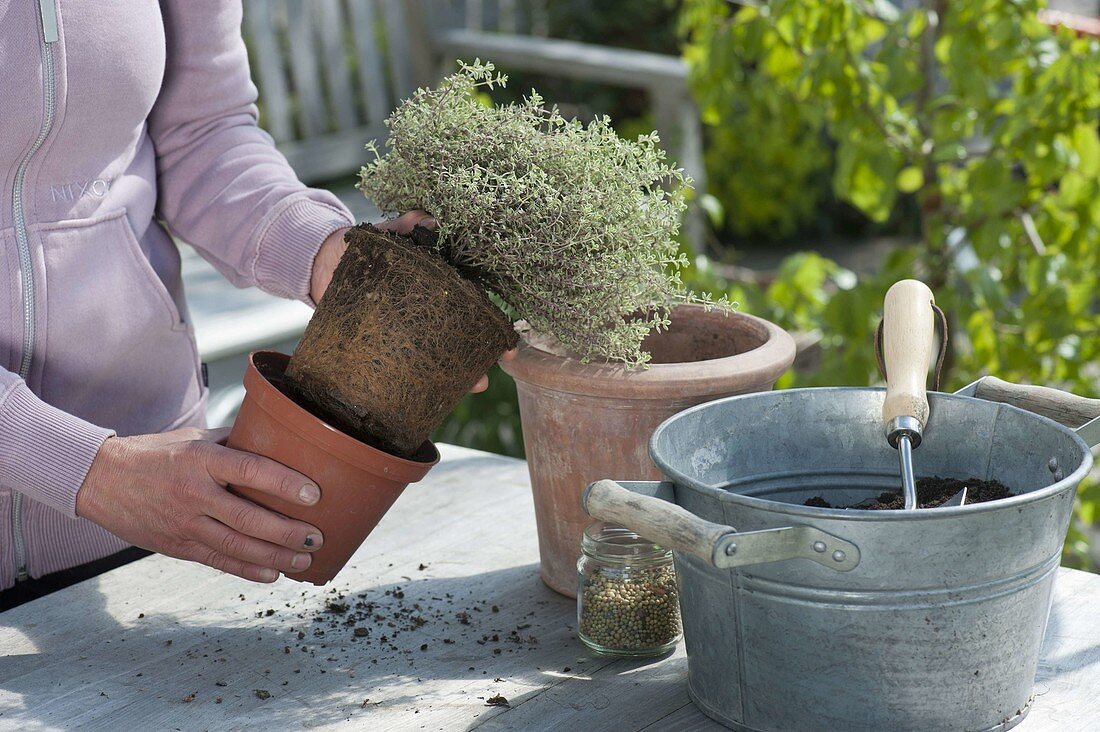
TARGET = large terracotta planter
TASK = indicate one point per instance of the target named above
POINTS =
(358, 482)
(585, 422)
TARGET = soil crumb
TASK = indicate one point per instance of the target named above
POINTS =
(932, 492)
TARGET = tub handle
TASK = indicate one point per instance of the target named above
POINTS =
(641, 509)
(1076, 412)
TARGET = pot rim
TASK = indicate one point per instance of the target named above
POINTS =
(766, 362)
(326, 437)
(853, 514)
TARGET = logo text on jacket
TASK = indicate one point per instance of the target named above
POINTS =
(97, 188)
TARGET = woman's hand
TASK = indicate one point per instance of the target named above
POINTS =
(333, 248)
(405, 223)
(168, 493)
(324, 264)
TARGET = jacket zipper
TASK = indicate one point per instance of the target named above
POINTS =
(48, 16)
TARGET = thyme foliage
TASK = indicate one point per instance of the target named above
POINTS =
(571, 226)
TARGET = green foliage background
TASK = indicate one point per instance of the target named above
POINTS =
(968, 122)
(971, 109)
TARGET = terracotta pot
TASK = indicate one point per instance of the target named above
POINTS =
(584, 422)
(358, 483)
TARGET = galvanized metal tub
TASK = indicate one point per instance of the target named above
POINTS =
(926, 620)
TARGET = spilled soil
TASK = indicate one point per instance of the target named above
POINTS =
(403, 628)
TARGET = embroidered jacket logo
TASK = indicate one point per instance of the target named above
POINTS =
(97, 188)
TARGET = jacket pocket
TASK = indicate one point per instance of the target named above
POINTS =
(115, 351)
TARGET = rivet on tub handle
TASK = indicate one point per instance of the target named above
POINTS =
(669, 525)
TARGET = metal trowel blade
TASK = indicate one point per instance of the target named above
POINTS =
(956, 500)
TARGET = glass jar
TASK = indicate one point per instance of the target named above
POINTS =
(627, 603)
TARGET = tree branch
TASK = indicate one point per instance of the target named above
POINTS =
(865, 104)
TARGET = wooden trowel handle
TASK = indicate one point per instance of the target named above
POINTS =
(907, 334)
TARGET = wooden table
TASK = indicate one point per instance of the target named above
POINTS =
(162, 644)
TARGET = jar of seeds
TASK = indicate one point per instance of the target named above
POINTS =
(627, 604)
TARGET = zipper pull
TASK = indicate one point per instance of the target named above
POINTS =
(49, 20)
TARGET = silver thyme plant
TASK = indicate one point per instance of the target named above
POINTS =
(573, 227)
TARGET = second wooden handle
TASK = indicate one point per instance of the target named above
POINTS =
(1068, 409)
(907, 335)
(658, 521)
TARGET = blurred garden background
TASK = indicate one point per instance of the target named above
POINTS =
(849, 144)
(838, 146)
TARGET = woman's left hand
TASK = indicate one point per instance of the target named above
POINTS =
(324, 264)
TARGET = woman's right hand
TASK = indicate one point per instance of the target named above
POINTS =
(167, 493)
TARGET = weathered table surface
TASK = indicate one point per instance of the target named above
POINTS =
(162, 644)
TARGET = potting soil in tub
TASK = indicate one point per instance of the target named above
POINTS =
(932, 491)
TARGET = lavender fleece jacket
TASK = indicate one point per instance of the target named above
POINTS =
(120, 122)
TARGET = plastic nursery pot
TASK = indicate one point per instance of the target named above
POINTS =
(358, 482)
(583, 422)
